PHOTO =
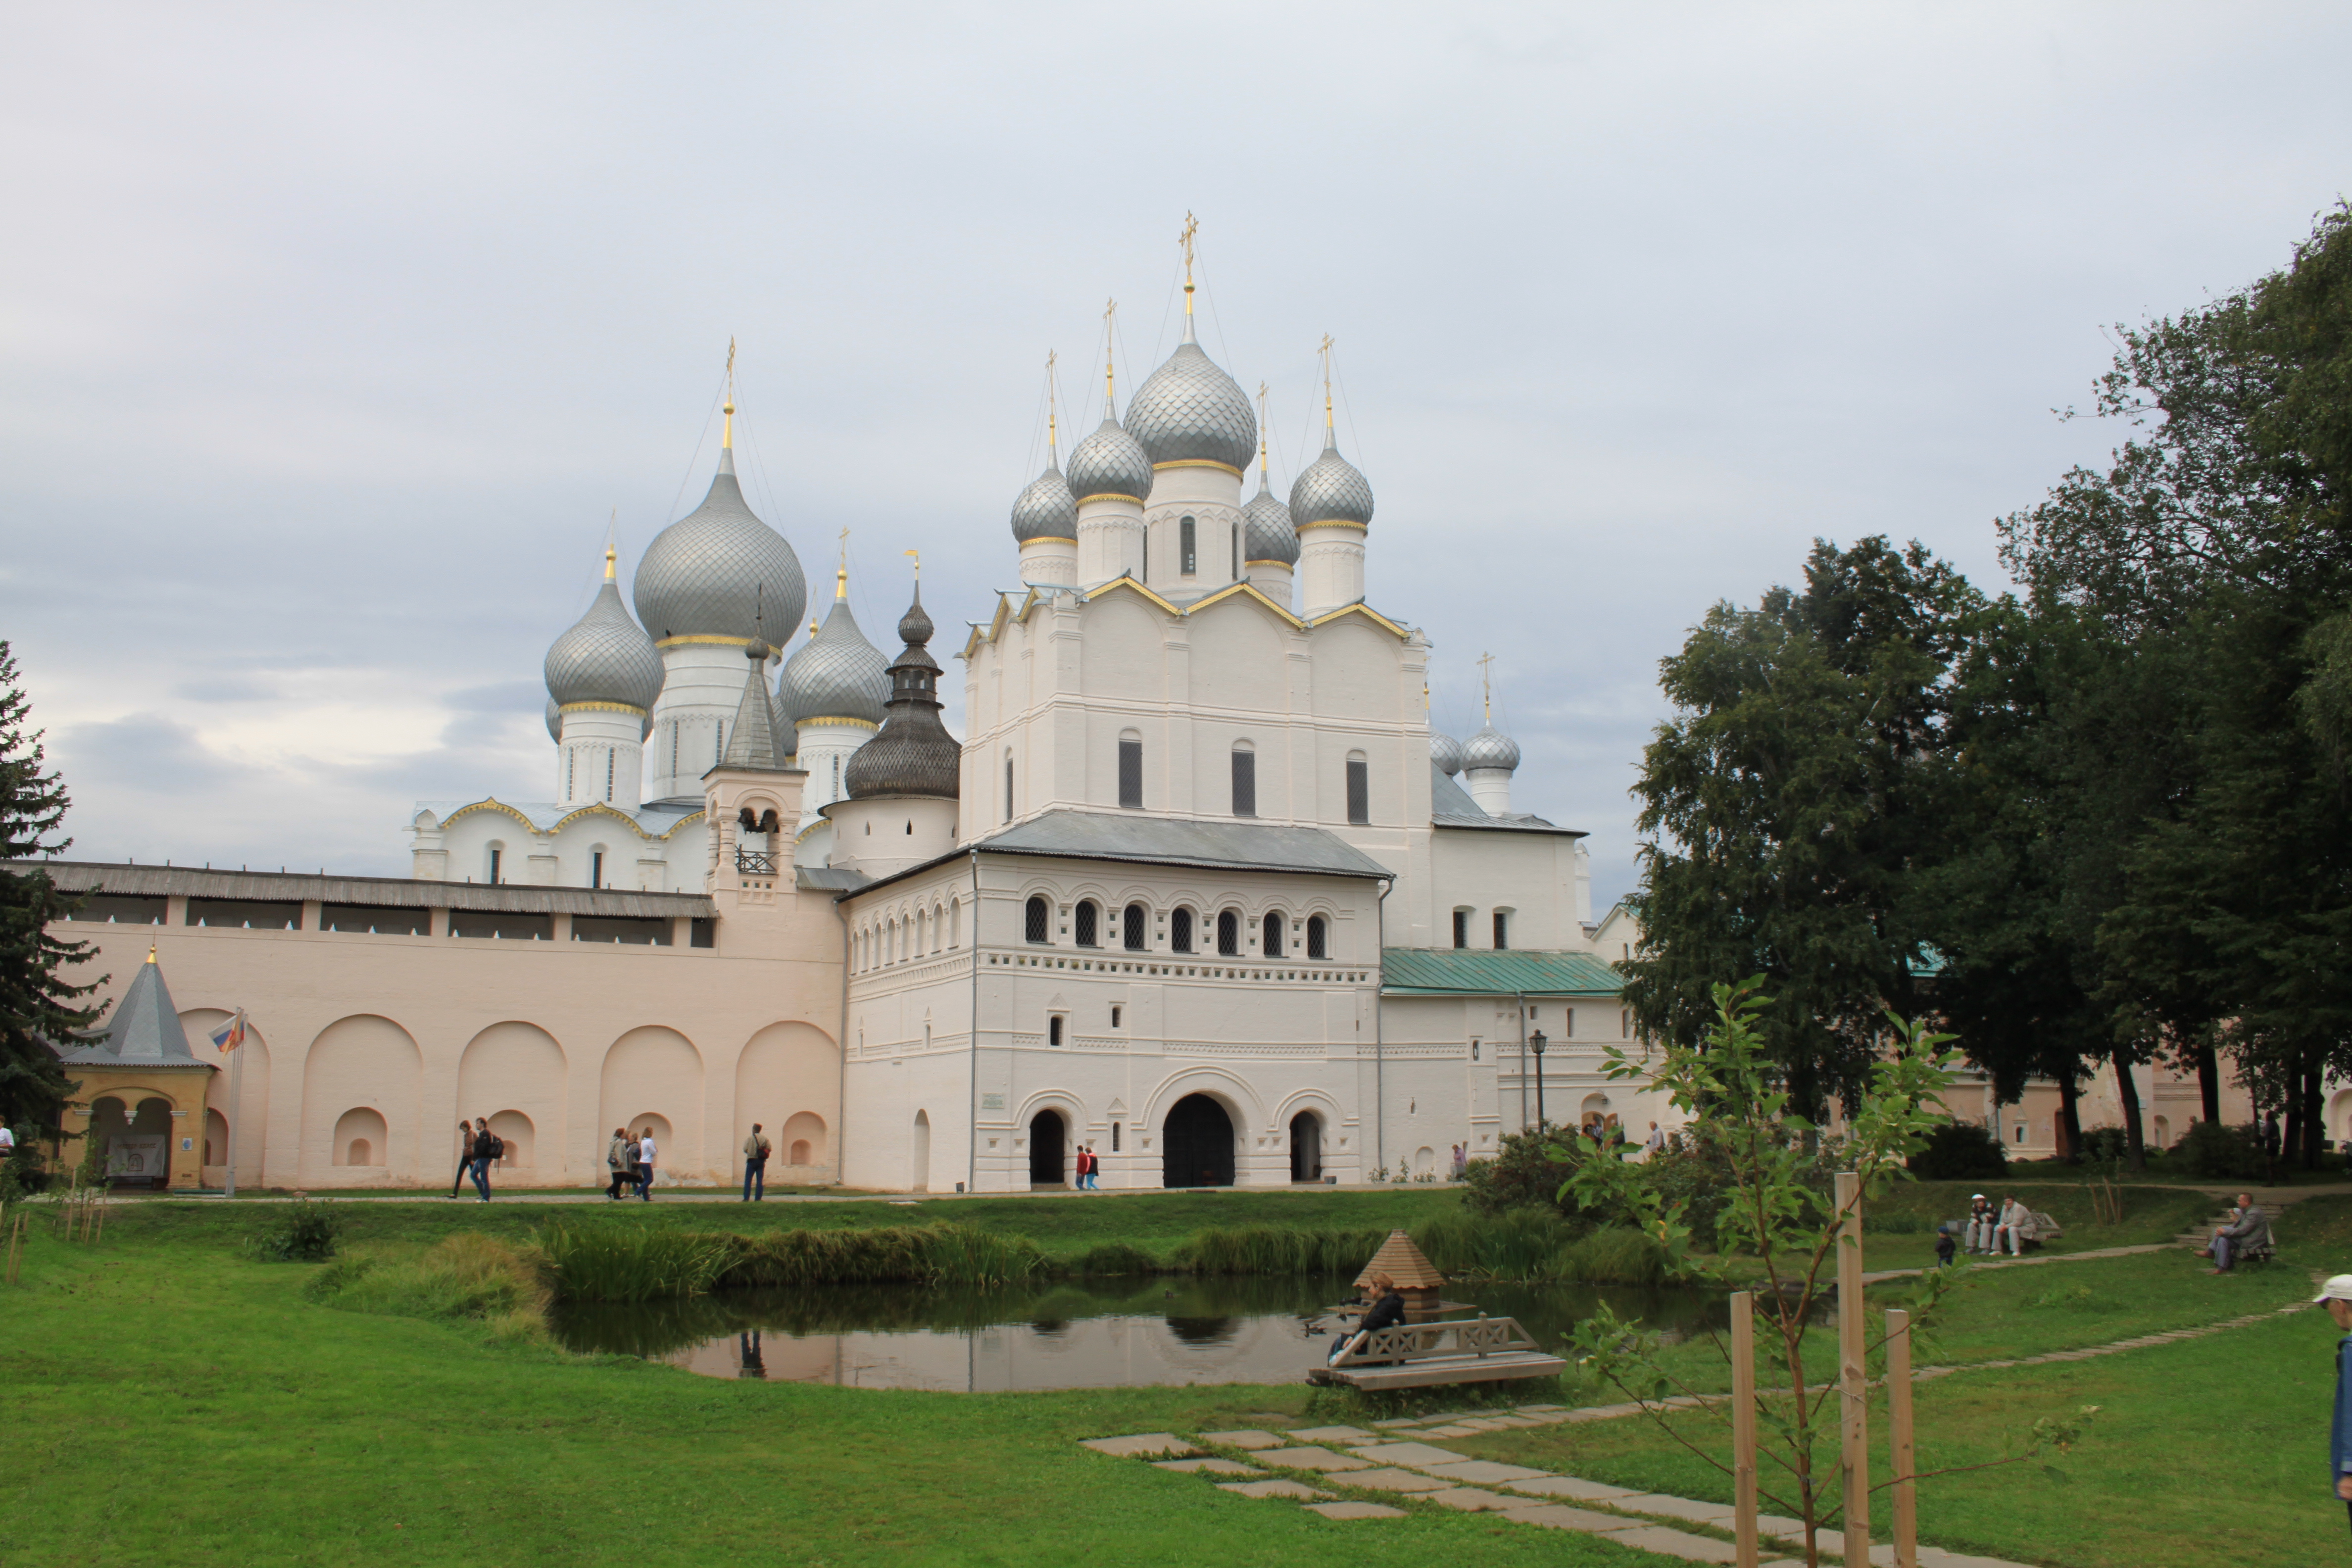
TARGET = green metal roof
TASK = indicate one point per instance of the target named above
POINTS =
(1482, 972)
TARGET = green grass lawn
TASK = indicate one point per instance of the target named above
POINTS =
(170, 1401)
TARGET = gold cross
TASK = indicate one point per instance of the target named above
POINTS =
(1486, 683)
(1192, 228)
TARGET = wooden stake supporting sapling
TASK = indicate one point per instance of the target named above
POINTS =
(1854, 1381)
(1743, 1422)
(1898, 1421)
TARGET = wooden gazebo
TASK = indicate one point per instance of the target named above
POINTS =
(1417, 1278)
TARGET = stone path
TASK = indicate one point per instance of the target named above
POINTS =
(1393, 1459)
(1402, 1475)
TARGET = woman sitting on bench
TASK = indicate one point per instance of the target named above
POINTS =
(1387, 1311)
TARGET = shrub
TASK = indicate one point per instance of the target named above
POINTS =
(596, 1261)
(2106, 1143)
(2213, 1149)
(1275, 1249)
(301, 1232)
(918, 1255)
(466, 1276)
(1518, 1243)
(1961, 1152)
(1523, 1174)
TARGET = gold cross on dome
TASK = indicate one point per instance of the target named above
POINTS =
(1191, 229)
(1486, 683)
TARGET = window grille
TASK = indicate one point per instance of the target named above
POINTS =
(1130, 774)
(1270, 942)
(1008, 789)
(1461, 928)
(1180, 930)
(1318, 938)
(1184, 550)
(1040, 920)
(1133, 923)
(1087, 923)
(1244, 783)
(1360, 791)
(1502, 930)
(1229, 933)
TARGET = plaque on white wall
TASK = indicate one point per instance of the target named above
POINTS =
(991, 1102)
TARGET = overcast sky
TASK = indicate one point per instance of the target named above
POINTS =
(334, 336)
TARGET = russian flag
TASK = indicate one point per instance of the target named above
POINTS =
(231, 1035)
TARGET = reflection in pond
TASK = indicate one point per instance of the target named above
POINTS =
(1094, 1333)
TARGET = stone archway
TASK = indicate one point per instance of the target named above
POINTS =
(1306, 1147)
(1196, 1144)
(1048, 1149)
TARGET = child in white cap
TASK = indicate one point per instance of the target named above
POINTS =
(2336, 1297)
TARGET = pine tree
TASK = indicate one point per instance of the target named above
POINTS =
(36, 999)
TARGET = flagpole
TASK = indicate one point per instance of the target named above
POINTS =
(235, 1109)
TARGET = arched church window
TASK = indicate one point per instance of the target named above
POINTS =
(1180, 930)
(596, 867)
(1237, 552)
(1318, 941)
(1133, 923)
(1229, 933)
(1040, 918)
(1271, 941)
(1184, 546)
(1461, 928)
(1130, 771)
(1087, 914)
(611, 755)
(1360, 788)
(1008, 790)
(1244, 780)
(955, 923)
(570, 771)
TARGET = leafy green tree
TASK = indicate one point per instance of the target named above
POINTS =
(36, 999)
(1797, 785)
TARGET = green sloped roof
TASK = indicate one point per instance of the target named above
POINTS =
(1482, 972)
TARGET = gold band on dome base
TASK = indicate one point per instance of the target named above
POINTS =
(600, 708)
(1114, 495)
(845, 724)
(1333, 523)
(1047, 539)
(704, 638)
(1198, 463)
(1286, 565)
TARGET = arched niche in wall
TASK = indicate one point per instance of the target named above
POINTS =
(518, 1068)
(787, 1069)
(656, 1071)
(246, 1121)
(363, 1062)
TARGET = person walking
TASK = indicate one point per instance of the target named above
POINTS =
(2336, 1297)
(1094, 1170)
(646, 1153)
(465, 1155)
(488, 1146)
(620, 1162)
(1655, 1142)
(756, 1149)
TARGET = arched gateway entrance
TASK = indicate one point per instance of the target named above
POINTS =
(1045, 1145)
(1196, 1149)
(1306, 1147)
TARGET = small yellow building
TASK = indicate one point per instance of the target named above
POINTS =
(140, 1094)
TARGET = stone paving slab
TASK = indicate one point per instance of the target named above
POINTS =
(1248, 1437)
(1312, 1459)
(1142, 1445)
(1333, 1435)
(1719, 1514)
(1568, 1486)
(1482, 1472)
(1355, 1511)
(1392, 1425)
(1470, 1499)
(1212, 1467)
(1449, 1431)
(1680, 1543)
(1409, 1454)
(1482, 1424)
(1281, 1489)
(1782, 1529)
(1559, 1516)
(1391, 1481)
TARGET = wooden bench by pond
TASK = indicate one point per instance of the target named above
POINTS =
(1429, 1355)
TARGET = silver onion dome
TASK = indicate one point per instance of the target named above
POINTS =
(720, 571)
(1445, 751)
(554, 719)
(1330, 490)
(1190, 411)
(1110, 462)
(1045, 509)
(837, 674)
(605, 656)
(1267, 533)
(1490, 748)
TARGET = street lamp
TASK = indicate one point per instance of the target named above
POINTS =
(1535, 1043)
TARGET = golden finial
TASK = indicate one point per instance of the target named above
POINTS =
(917, 556)
(1486, 683)
(609, 554)
(1110, 310)
(151, 952)
(1261, 430)
(612, 531)
(1191, 230)
(841, 576)
(1325, 350)
(1053, 439)
(728, 439)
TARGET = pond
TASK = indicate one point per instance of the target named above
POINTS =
(1092, 1333)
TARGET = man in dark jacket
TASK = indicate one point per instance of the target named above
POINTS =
(2336, 1297)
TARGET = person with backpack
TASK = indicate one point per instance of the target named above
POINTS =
(465, 1155)
(756, 1150)
(620, 1162)
(488, 1146)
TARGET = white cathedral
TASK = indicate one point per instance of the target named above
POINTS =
(1201, 889)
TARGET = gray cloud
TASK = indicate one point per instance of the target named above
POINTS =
(340, 334)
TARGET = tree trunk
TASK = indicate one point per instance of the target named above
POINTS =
(2315, 1125)
(2208, 1082)
(2070, 1117)
(2127, 1092)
